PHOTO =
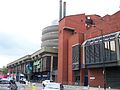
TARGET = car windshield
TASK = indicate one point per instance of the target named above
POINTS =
(52, 86)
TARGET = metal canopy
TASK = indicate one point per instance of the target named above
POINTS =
(99, 39)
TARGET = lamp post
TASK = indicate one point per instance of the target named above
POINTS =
(89, 22)
(103, 56)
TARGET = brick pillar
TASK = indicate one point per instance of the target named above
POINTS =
(82, 75)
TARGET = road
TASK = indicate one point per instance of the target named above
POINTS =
(38, 86)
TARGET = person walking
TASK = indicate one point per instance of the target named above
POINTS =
(13, 84)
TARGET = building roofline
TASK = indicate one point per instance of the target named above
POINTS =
(18, 60)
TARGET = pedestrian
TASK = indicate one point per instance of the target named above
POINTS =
(13, 85)
(43, 85)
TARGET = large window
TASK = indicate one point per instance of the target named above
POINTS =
(76, 57)
(107, 50)
(91, 48)
(101, 48)
(55, 63)
(93, 52)
(113, 51)
(97, 52)
(46, 61)
(87, 55)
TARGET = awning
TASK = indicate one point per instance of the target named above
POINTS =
(100, 38)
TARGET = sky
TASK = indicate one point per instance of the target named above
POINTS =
(22, 21)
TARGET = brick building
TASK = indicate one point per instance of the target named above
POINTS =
(87, 43)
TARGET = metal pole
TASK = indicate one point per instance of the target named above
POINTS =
(103, 51)
(103, 57)
(51, 69)
(64, 12)
(60, 12)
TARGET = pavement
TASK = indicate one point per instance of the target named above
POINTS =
(38, 86)
(32, 88)
(71, 87)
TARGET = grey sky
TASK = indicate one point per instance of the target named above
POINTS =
(21, 22)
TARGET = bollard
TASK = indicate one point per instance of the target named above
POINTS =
(33, 87)
(109, 88)
(29, 84)
(88, 87)
(99, 87)
(26, 84)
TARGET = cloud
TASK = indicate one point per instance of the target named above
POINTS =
(7, 41)
(21, 23)
(15, 47)
(4, 60)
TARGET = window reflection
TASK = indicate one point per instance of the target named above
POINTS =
(107, 50)
(102, 48)
(113, 51)
(91, 52)
(112, 44)
(87, 57)
(97, 52)
(101, 51)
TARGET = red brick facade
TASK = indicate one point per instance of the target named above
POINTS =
(96, 77)
(73, 30)
(66, 40)
(75, 39)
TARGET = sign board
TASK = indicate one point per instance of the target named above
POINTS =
(92, 78)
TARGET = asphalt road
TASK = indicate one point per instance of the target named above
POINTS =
(20, 86)
(23, 87)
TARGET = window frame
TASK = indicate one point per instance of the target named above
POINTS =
(104, 51)
(114, 48)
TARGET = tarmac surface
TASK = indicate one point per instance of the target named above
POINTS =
(38, 86)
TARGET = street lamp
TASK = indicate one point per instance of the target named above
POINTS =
(103, 56)
(89, 22)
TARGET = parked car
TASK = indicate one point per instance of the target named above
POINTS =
(23, 80)
(53, 86)
(5, 84)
